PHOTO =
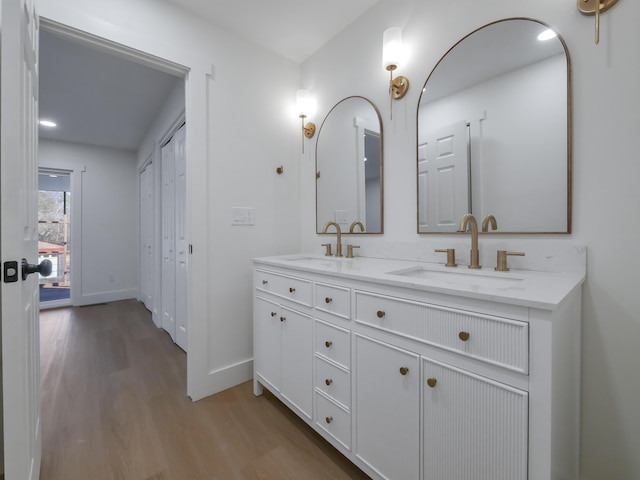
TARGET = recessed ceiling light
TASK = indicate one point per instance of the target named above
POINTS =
(547, 35)
(47, 123)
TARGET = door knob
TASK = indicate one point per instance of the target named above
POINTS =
(43, 269)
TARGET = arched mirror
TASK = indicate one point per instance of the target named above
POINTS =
(349, 165)
(494, 132)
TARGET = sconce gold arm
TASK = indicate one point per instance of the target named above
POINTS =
(595, 7)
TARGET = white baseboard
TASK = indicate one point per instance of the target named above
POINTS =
(105, 297)
(225, 378)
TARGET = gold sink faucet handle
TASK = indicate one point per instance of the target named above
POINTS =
(350, 250)
(327, 251)
(502, 259)
(451, 256)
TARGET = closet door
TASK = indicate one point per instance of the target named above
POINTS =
(168, 241)
(146, 236)
(179, 140)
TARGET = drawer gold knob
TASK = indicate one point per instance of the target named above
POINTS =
(404, 370)
(264, 282)
(273, 314)
(282, 319)
(464, 336)
(380, 313)
(328, 381)
(328, 300)
(328, 419)
(291, 290)
(328, 343)
(432, 382)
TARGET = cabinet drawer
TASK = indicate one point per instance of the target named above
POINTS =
(297, 290)
(333, 419)
(334, 300)
(333, 343)
(334, 381)
(500, 341)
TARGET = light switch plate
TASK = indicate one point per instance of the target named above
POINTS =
(242, 216)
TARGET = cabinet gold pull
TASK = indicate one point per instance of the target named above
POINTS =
(380, 313)
(282, 319)
(273, 314)
(464, 336)
(328, 343)
(264, 282)
(328, 419)
(291, 290)
(328, 381)
(404, 370)
(432, 382)
(328, 300)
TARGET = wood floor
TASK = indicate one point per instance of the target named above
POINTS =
(114, 406)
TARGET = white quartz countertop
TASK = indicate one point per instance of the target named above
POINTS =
(529, 288)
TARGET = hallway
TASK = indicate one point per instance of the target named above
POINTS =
(114, 407)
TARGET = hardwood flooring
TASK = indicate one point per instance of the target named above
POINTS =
(114, 407)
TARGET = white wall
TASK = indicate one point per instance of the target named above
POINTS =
(109, 205)
(241, 126)
(606, 169)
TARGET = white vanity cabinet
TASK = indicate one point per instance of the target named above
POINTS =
(410, 382)
(283, 339)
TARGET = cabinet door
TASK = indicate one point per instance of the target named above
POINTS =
(267, 341)
(387, 408)
(297, 359)
(474, 428)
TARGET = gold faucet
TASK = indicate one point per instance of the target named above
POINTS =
(354, 224)
(489, 219)
(475, 253)
(338, 236)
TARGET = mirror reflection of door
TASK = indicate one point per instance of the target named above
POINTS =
(373, 182)
(443, 178)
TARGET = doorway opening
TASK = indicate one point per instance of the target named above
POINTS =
(54, 235)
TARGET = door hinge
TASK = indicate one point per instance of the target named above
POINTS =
(10, 271)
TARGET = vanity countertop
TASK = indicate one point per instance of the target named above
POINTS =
(528, 288)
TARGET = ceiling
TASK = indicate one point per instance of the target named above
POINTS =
(292, 28)
(100, 99)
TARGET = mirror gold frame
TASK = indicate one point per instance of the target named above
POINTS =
(563, 167)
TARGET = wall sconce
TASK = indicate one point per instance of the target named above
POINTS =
(595, 7)
(392, 57)
(306, 106)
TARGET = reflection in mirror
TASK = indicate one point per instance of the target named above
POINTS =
(494, 133)
(349, 167)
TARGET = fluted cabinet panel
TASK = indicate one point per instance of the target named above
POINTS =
(495, 340)
(474, 428)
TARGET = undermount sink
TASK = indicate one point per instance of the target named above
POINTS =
(467, 277)
(316, 261)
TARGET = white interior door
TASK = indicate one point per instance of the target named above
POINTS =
(443, 178)
(146, 236)
(182, 246)
(19, 239)
(168, 297)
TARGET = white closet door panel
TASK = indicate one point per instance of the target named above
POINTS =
(168, 240)
(179, 140)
